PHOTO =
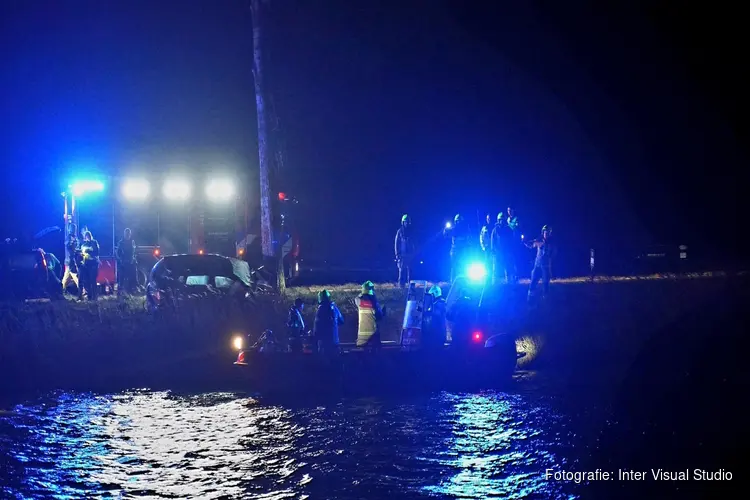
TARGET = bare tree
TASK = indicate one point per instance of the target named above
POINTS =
(265, 157)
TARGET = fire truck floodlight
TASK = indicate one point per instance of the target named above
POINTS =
(135, 189)
(177, 189)
(220, 190)
(79, 188)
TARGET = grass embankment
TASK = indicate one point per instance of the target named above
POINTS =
(603, 323)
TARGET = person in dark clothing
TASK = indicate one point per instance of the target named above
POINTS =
(405, 250)
(328, 318)
(543, 262)
(72, 256)
(515, 249)
(435, 325)
(485, 240)
(295, 325)
(501, 243)
(90, 266)
(126, 263)
(460, 244)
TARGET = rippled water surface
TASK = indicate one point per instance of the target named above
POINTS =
(220, 445)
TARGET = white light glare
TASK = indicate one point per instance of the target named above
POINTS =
(477, 271)
(220, 190)
(177, 190)
(135, 189)
(80, 188)
(448, 225)
(237, 342)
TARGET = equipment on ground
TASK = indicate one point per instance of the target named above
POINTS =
(417, 302)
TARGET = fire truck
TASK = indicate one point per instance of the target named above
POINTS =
(173, 222)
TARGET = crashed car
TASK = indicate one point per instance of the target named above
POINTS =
(176, 278)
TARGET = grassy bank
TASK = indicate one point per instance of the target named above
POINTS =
(597, 324)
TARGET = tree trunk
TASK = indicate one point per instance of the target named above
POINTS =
(271, 259)
(264, 158)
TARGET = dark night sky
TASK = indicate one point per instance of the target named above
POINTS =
(609, 123)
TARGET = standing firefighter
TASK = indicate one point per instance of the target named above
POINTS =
(404, 248)
(501, 245)
(328, 318)
(460, 244)
(126, 265)
(71, 259)
(90, 267)
(485, 240)
(435, 325)
(515, 247)
(295, 325)
(370, 314)
(543, 262)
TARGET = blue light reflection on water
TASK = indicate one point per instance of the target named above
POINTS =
(216, 445)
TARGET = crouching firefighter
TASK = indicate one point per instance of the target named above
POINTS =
(435, 320)
(328, 318)
(370, 315)
(295, 325)
(543, 262)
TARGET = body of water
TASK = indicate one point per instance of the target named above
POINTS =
(225, 445)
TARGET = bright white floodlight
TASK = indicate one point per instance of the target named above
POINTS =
(177, 189)
(220, 190)
(135, 189)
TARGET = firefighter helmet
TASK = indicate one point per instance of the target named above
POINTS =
(368, 288)
(324, 296)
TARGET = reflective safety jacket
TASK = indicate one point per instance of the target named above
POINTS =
(515, 226)
(404, 245)
(328, 318)
(484, 237)
(545, 250)
(90, 252)
(294, 322)
(370, 314)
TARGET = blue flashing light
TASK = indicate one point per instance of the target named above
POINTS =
(477, 272)
(79, 188)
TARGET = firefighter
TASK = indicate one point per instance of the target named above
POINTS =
(501, 246)
(295, 325)
(90, 266)
(543, 262)
(71, 259)
(515, 249)
(328, 318)
(404, 248)
(485, 240)
(126, 263)
(370, 314)
(460, 244)
(435, 327)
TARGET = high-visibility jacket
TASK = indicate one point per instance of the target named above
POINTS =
(369, 315)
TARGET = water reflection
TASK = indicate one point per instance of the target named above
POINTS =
(227, 446)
